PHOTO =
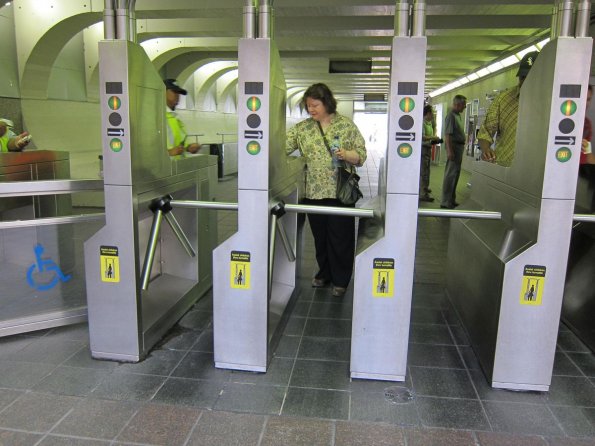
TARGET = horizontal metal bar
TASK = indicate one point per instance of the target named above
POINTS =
(448, 213)
(330, 210)
(232, 133)
(584, 218)
(48, 187)
(83, 218)
(204, 205)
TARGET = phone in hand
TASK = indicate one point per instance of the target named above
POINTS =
(25, 139)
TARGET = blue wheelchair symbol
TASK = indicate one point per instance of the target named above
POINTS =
(44, 266)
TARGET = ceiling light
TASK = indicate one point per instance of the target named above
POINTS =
(510, 60)
(472, 76)
(483, 72)
(496, 66)
(543, 43)
(520, 54)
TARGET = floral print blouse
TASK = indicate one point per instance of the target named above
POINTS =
(305, 136)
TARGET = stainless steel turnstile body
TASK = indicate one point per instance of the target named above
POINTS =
(249, 295)
(384, 266)
(124, 320)
(506, 278)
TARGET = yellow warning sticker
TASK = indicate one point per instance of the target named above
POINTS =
(109, 263)
(240, 270)
(533, 284)
(383, 278)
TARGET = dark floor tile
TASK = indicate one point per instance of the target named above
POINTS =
(285, 431)
(364, 434)
(427, 316)
(288, 347)
(59, 440)
(251, 398)
(374, 406)
(8, 396)
(320, 375)
(426, 355)
(277, 374)
(76, 332)
(301, 308)
(196, 320)
(451, 413)
(48, 351)
(12, 438)
(325, 348)
(451, 317)
(439, 437)
(487, 393)
(36, 412)
(575, 421)
(198, 365)
(295, 326)
(566, 441)
(451, 383)
(205, 303)
(331, 310)
(229, 429)
(12, 344)
(158, 362)
(518, 418)
(568, 342)
(506, 439)
(179, 338)
(430, 334)
(459, 335)
(83, 359)
(160, 424)
(128, 387)
(97, 419)
(22, 375)
(563, 366)
(570, 391)
(470, 360)
(205, 342)
(585, 362)
(328, 328)
(71, 381)
(316, 403)
(189, 392)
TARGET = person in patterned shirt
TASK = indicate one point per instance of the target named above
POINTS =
(502, 118)
(334, 236)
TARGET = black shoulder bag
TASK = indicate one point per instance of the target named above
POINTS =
(347, 181)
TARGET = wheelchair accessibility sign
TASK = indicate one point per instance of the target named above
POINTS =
(383, 278)
(533, 283)
(240, 270)
(110, 263)
(44, 274)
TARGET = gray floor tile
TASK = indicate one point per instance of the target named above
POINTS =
(427, 316)
(59, 440)
(325, 348)
(13, 438)
(301, 308)
(288, 346)
(251, 398)
(451, 413)
(452, 383)
(22, 375)
(439, 437)
(179, 338)
(128, 387)
(571, 391)
(568, 342)
(329, 375)
(71, 381)
(160, 424)
(8, 396)
(331, 310)
(76, 332)
(430, 334)
(316, 403)
(83, 359)
(286, 431)
(460, 335)
(519, 418)
(563, 366)
(427, 355)
(12, 344)
(506, 439)
(575, 421)
(358, 434)
(230, 429)
(487, 393)
(47, 351)
(374, 406)
(93, 418)
(196, 320)
(205, 342)
(585, 362)
(198, 365)
(277, 374)
(295, 326)
(189, 392)
(158, 362)
(469, 359)
(566, 441)
(36, 412)
(328, 328)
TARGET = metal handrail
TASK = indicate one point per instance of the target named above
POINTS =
(47, 187)
(220, 205)
(330, 210)
(11, 224)
(448, 213)
(584, 218)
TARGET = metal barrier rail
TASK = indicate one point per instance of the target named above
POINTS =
(329, 210)
(82, 218)
(49, 187)
(220, 205)
(584, 218)
(447, 213)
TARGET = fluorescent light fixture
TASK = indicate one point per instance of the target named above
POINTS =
(510, 60)
(464, 80)
(543, 43)
(483, 72)
(520, 54)
(496, 66)
(472, 76)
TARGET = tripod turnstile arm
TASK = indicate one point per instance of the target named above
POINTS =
(152, 246)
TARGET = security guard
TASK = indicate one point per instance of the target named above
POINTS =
(176, 132)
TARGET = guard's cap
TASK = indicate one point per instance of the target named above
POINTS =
(7, 122)
(526, 63)
(171, 84)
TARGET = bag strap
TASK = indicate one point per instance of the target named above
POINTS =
(328, 147)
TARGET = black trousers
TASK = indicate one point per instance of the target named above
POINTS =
(334, 241)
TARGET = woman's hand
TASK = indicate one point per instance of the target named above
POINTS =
(349, 156)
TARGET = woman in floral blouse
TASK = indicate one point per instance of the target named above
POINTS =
(334, 236)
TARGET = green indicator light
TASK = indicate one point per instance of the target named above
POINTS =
(253, 103)
(563, 154)
(253, 148)
(407, 105)
(114, 102)
(116, 144)
(405, 150)
(568, 108)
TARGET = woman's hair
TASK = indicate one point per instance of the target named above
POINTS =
(323, 94)
(428, 109)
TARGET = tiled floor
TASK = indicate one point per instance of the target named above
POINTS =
(53, 393)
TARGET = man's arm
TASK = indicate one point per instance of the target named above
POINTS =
(488, 129)
(17, 143)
